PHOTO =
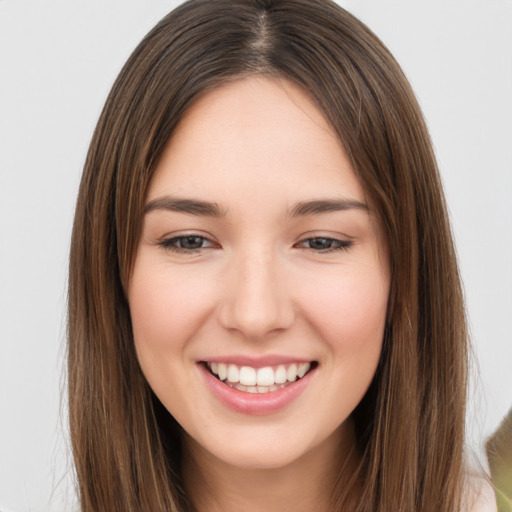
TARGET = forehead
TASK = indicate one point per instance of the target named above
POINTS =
(257, 133)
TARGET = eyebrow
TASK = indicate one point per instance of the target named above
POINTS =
(211, 209)
(190, 206)
(319, 206)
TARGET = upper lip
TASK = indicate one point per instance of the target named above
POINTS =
(257, 362)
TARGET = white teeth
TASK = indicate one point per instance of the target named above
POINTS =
(265, 376)
(234, 373)
(247, 376)
(255, 389)
(261, 380)
(280, 375)
(291, 374)
(303, 369)
(223, 371)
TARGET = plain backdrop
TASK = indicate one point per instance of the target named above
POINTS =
(58, 60)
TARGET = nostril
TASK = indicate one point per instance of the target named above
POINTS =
(257, 307)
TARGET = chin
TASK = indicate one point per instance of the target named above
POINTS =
(266, 447)
(257, 458)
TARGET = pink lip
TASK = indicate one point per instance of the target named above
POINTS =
(257, 362)
(255, 403)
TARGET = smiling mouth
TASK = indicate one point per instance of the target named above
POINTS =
(259, 380)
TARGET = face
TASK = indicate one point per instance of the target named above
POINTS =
(259, 291)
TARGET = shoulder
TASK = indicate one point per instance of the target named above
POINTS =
(478, 495)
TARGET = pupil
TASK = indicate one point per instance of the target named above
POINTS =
(321, 243)
(191, 242)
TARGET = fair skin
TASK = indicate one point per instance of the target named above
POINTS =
(259, 258)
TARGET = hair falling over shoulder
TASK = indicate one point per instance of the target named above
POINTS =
(410, 424)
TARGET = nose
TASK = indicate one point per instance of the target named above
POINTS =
(257, 300)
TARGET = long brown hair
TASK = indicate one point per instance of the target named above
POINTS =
(410, 424)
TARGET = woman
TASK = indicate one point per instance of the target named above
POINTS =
(265, 311)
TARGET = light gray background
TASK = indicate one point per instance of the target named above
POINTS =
(58, 60)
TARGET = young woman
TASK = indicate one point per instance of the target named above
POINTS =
(265, 311)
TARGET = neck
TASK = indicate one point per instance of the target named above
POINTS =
(303, 485)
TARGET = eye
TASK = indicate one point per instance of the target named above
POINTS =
(325, 244)
(187, 243)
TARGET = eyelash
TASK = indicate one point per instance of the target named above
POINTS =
(171, 244)
(339, 245)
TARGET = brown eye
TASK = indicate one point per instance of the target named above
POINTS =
(190, 242)
(186, 243)
(325, 244)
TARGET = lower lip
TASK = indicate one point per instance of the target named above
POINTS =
(255, 403)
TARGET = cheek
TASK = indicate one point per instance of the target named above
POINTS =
(350, 318)
(350, 313)
(167, 308)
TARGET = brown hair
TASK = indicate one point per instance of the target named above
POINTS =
(410, 424)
